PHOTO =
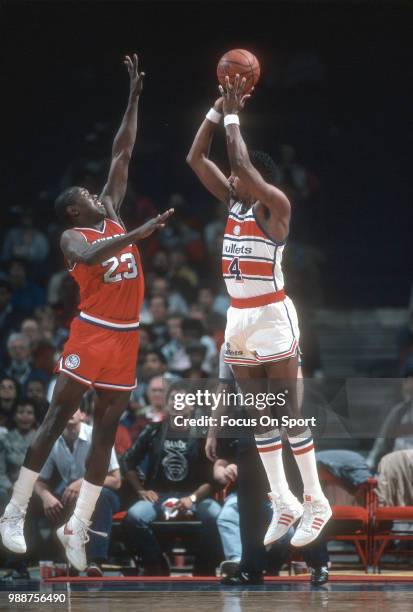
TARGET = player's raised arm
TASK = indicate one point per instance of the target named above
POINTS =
(241, 166)
(198, 157)
(115, 188)
(77, 250)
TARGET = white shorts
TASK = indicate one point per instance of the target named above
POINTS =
(262, 334)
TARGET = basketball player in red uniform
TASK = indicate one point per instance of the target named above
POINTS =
(262, 333)
(103, 344)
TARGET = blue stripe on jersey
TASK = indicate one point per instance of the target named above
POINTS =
(239, 218)
(260, 278)
(255, 257)
(246, 238)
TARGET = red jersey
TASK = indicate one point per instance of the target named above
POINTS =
(111, 293)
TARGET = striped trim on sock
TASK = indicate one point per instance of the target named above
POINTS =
(268, 442)
(302, 445)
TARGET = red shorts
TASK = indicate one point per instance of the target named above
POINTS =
(99, 356)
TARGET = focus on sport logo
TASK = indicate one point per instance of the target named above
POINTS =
(72, 361)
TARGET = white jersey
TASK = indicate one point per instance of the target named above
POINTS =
(251, 259)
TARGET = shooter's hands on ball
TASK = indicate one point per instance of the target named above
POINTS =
(233, 95)
(150, 226)
(136, 77)
(218, 104)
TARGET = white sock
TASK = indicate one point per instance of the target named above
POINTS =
(303, 449)
(86, 502)
(23, 487)
(269, 447)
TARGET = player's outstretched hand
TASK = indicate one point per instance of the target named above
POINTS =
(156, 223)
(233, 96)
(136, 77)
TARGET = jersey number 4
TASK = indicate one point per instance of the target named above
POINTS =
(234, 269)
(111, 276)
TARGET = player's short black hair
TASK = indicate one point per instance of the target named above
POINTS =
(265, 166)
(63, 201)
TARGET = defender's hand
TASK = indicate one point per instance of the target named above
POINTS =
(136, 77)
(153, 224)
(233, 96)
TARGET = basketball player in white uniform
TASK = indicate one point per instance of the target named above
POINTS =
(262, 334)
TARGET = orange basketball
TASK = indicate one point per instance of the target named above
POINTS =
(242, 62)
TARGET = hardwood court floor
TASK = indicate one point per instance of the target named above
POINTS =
(310, 601)
(209, 597)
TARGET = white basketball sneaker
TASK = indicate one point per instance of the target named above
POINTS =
(74, 536)
(286, 511)
(12, 528)
(317, 513)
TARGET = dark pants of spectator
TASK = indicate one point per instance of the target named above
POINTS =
(142, 539)
(255, 513)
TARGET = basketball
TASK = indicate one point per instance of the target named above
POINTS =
(242, 62)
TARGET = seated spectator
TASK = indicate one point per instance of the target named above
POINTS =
(395, 479)
(214, 229)
(9, 317)
(137, 418)
(194, 332)
(68, 458)
(176, 467)
(26, 242)
(52, 330)
(226, 474)
(36, 391)
(13, 448)
(31, 330)
(196, 352)
(55, 287)
(181, 232)
(9, 393)
(396, 432)
(158, 308)
(155, 411)
(160, 287)
(20, 365)
(174, 350)
(26, 295)
(181, 274)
